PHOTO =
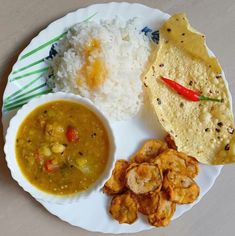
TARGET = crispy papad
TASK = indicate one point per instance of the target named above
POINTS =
(201, 129)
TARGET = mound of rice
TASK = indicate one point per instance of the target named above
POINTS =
(124, 51)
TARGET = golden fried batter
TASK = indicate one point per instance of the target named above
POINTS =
(140, 186)
(170, 142)
(149, 150)
(143, 178)
(148, 203)
(116, 183)
(177, 161)
(165, 211)
(181, 189)
(124, 208)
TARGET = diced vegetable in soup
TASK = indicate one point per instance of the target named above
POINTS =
(62, 147)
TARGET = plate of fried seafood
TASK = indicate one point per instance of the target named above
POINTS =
(118, 118)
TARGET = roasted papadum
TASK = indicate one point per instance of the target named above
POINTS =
(201, 129)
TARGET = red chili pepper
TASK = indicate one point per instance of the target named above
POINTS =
(188, 93)
(72, 134)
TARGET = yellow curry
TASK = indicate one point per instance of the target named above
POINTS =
(62, 147)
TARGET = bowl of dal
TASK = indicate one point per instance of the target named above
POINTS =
(60, 147)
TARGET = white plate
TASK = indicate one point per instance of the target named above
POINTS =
(27, 81)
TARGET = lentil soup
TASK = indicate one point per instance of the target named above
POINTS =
(62, 147)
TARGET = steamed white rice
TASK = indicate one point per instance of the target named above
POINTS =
(125, 52)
